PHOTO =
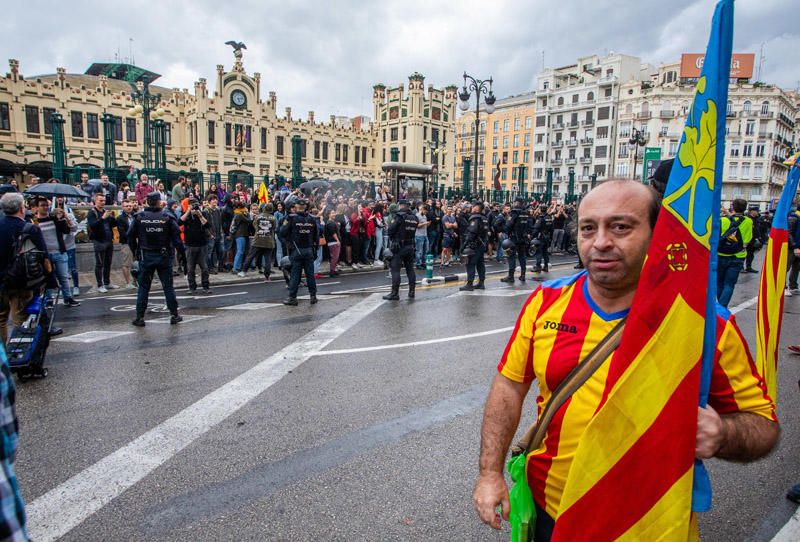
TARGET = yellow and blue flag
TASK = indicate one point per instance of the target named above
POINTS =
(634, 474)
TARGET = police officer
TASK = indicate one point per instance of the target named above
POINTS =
(301, 236)
(543, 235)
(401, 244)
(152, 238)
(519, 229)
(477, 236)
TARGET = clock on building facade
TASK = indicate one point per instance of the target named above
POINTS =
(238, 99)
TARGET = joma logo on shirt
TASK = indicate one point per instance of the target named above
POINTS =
(549, 324)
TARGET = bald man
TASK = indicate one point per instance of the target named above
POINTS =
(615, 224)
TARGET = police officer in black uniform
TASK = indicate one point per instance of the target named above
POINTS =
(401, 243)
(477, 237)
(152, 237)
(301, 236)
(543, 236)
(519, 229)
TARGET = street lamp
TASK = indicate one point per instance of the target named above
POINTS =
(521, 178)
(479, 87)
(638, 139)
(145, 103)
(436, 150)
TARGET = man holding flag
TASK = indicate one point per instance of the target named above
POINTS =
(621, 452)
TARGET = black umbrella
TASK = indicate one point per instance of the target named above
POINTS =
(313, 184)
(52, 190)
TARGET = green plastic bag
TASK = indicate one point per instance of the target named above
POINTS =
(523, 513)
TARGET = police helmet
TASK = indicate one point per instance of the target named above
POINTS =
(285, 263)
(507, 244)
(403, 202)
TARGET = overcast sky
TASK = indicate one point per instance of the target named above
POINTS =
(326, 55)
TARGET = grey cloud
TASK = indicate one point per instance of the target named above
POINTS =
(325, 56)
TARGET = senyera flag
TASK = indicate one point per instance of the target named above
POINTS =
(634, 475)
(263, 193)
(773, 281)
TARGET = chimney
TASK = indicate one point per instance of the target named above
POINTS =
(288, 113)
(273, 99)
(333, 120)
(311, 117)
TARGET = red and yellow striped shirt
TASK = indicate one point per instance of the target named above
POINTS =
(558, 326)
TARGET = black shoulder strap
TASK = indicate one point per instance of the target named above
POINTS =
(534, 436)
(734, 226)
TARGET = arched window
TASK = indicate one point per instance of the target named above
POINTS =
(667, 105)
(746, 106)
(729, 109)
(764, 108)
(590, 96)
(629, 108)
(645, 108)
(560, 101)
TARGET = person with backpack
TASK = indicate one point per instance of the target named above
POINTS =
(736, 233)
(22, 256)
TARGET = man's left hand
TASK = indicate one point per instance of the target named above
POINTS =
(710, 433)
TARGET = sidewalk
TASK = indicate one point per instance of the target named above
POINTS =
(89, 288)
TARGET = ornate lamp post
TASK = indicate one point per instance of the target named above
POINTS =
(436, 150)
(638, 139)
(146, 104)
(521, 178)
(479, 87)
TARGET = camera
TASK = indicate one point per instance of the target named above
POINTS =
(195, 206)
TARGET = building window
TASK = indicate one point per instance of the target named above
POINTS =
(516, 140)
(494, 158)
(750, 129)
(344, 153)
(590, 97)
(356, 154)
(745, 171)
(228, 135)
(364, 155)
(760, 150)
(404, 133)
(393, 134)
(527, 123)
(117, 128)
(603, 113)
(601, 152)
(515, 157)
(279, 145)
(765, 108)
(527, 140)
(517, 124)
(673, 148)
(32, 119)
(130, 130)
(211, 132)
(168, 133)
(526, 156)
(91, 126)
(734, 149)
(325, 151)
(504, 174)
(337, 152)
(733, 171)
(541, 121)
(494, 142)
(746, 108)
(5, 117)
(47, 117)
(575, 98)
(758, 171)
(747, 150)
(76, 118)
(506, 125)
(317, 149)
(248, 137)
(505, 142)
(496, 125)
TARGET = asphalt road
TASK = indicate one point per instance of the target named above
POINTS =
(265, 422)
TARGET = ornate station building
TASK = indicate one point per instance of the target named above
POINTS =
(115, 117)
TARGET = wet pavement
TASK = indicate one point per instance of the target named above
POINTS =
(353, 419)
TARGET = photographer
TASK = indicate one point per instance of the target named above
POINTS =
(100, 228)
(54, 227)
(196, 228)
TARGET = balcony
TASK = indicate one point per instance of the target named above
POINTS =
(730, 114)
(666, 114)
(572, 143)
(571, 161)
(558, 126)
(587, 123)
(644, 115)
(556, 161)
(587, 141)
(607, 80)
(586, 160)
(589, 102)
(766, 114)
(573, 124)
(558, 144)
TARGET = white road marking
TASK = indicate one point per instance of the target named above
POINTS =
(494, 292)
(791, 531)
(186, 319)
(415, 343)
(744, 305)
(66, 506)
(92, 336)
(249, 306)
(322, 296)
(195, 296)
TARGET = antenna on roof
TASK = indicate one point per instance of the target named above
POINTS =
(130, 50)
(761, 60)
